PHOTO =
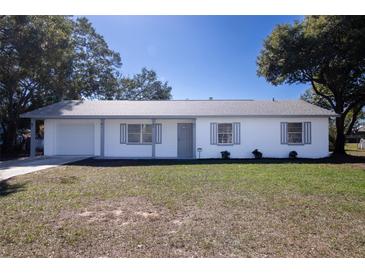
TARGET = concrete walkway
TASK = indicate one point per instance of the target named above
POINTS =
(13, 168)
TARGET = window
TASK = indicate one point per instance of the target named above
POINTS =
(295, 133)
(146, 133)
(225, 133)
(139, 133)
(134, 133)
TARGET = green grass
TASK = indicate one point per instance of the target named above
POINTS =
(183, 210)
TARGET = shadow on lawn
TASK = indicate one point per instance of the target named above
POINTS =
(166, 162)
(7, 189)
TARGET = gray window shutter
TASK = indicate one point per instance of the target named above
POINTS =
(307, 132)
(236, 133)
(158, 132)
(283, 133)
(213, 133)
(123, 133)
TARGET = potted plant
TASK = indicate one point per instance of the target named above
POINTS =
(293, 154)
(225, 155)
(257, 154)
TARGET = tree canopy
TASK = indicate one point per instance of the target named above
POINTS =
(45, 59)
(326, 52)
(143, 86)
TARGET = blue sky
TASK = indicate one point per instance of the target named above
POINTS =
(200, 56)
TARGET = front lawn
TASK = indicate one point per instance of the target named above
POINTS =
(177, 209)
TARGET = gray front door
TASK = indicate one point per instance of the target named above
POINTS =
(185, 140)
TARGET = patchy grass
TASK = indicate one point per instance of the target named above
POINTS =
(352, 149)
(177, 209)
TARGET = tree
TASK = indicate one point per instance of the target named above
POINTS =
(326, 52)
(313, 98)
(95, 72)
(143, 86)
(352, 118)
(44, 59)
(351, 121)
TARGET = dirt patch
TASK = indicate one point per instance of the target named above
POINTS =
(86, 214)
(123, 211)
(149, 215)
(359, 165)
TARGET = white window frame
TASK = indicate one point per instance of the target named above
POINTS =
(140, 142)
(296, 132)
(223, 144)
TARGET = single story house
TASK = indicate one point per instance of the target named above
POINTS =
(183, 129)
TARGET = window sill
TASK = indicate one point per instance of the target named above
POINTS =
(295, 144)
(133, 144)
(223, 145)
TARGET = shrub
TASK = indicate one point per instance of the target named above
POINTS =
(293, 154)
(225, 155)
(257, 154)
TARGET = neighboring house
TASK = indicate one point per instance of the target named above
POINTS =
(361, 132)
(356, 136)
(361, 129)
(180, 128)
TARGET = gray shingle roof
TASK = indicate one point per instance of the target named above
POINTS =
(177, 108)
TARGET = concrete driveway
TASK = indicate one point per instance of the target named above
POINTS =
(13, 168)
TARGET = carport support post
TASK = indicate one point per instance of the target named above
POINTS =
(32, 137)
(194, 138)
(153, 138)
(102, 137)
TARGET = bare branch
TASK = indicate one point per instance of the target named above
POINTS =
(323, 95)
(351, 106)
(354, 118)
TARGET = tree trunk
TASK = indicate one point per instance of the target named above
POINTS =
(340, 136)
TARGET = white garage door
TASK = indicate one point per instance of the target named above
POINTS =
(75, 139)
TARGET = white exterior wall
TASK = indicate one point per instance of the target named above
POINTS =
(168, 148)
(51, 136)
(113, 147)
(263, 134)
(260, 133)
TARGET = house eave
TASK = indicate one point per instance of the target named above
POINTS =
(42, 117)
